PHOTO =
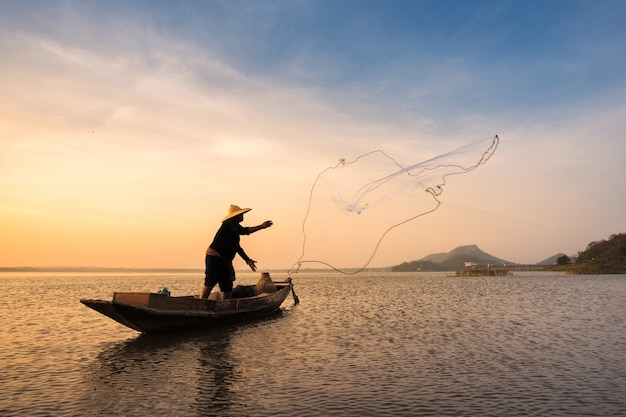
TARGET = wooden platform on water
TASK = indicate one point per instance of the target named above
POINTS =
(483, 272)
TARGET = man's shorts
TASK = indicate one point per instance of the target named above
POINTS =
(218, 271)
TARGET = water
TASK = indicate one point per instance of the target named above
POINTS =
(367, 345)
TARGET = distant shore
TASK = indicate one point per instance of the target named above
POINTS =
(95, 269)
(92, 269)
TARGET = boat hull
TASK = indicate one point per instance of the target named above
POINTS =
(149, 312)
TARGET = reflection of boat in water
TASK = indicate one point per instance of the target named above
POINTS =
(151, 312)
(166, 374)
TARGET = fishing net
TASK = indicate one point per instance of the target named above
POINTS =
(354, 204)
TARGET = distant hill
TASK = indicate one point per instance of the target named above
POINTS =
(602, 257)
(471, 251)
(551, 260)
(451, 261)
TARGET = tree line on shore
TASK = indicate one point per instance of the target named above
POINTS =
(600, 257)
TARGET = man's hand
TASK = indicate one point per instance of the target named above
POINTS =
(252, 264)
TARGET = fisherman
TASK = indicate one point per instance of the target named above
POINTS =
(220, 254)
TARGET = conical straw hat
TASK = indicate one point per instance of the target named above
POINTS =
(234, 211)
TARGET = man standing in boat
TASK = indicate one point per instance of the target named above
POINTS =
(220, 254)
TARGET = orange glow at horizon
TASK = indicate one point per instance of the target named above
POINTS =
(126, 149)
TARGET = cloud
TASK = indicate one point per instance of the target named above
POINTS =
(119, 109)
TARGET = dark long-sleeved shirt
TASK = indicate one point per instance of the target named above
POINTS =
(226, 240)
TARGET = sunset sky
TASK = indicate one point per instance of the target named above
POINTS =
(127, 128)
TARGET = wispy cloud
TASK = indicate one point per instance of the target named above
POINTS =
(158, 105)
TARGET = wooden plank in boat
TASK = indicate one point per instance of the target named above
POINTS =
(162, 302)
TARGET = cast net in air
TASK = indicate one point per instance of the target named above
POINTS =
(355, 204)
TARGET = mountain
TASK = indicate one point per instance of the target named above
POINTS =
(470, 253)
(601, 257)
(451, 261)
(551, 260)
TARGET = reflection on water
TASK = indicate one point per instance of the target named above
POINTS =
(146, 375)
(369, 345)
(216, 377)
(184, 373)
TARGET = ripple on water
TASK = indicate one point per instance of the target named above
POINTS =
(370, 345)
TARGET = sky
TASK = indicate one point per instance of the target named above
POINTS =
(127, 129)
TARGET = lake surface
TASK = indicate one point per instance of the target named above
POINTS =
(384, 344)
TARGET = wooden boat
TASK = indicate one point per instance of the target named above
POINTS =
(155, 312)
